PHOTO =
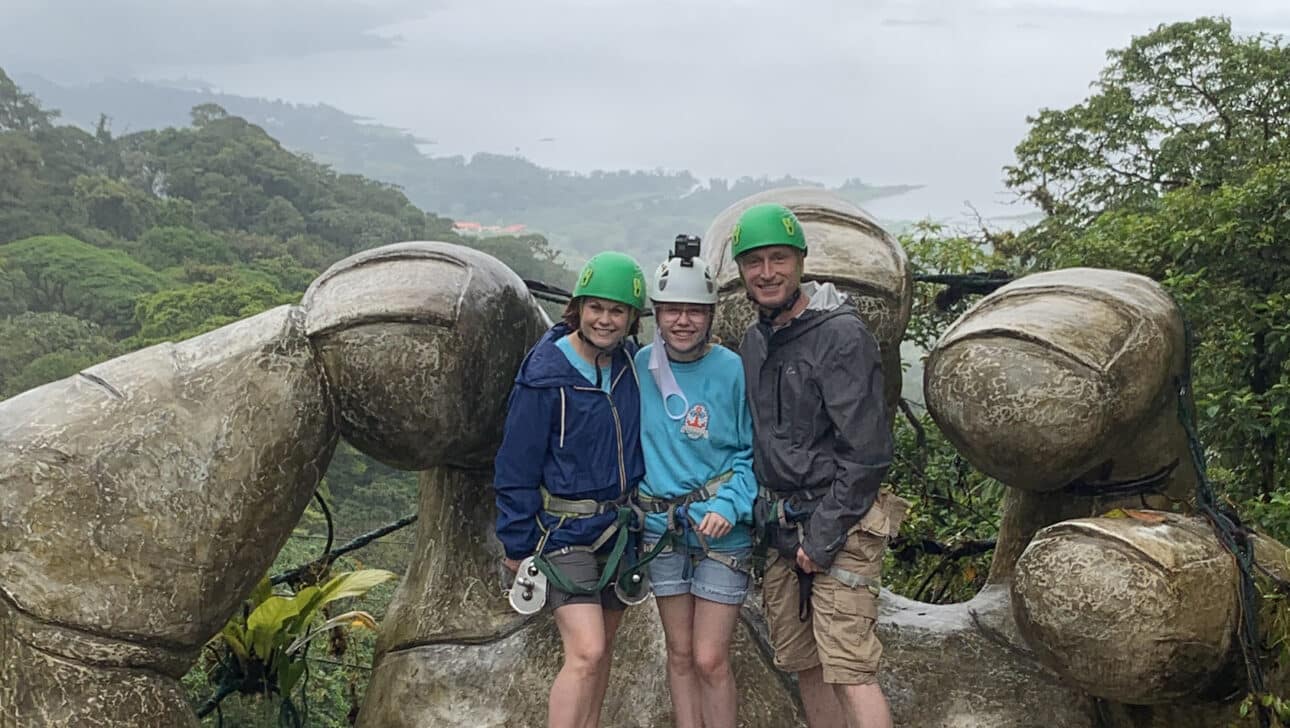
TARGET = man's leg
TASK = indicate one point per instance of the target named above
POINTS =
(845, 618)
(865, 705)
(819, 700)
(794, 643)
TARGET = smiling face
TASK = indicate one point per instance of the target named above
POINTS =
(684, 326)
(604, 323)
(771, 274)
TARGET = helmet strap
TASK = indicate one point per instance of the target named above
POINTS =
(607, 351)
(768, 315)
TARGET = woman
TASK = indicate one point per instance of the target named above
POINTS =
(569, 460)
(698, 490)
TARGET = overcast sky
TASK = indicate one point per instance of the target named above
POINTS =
(891, 91)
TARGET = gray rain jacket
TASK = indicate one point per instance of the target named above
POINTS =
(815, 388)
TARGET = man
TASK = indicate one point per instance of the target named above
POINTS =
(821, 448)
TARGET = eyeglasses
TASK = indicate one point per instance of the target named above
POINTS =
(674, 313)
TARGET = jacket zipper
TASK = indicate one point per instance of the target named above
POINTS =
(618, 432)
(779, 402)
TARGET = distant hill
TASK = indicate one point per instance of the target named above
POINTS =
(636, 211)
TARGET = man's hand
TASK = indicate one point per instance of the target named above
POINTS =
(714, 526)
(804, 562)
(511, 565)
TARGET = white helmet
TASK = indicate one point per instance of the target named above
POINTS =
(682, 280)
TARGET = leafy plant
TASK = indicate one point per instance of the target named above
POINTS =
(268, 640)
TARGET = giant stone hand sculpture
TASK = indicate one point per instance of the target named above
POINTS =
(141, 499)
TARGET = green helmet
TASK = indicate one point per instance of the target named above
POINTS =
(766, 224)
(613, 276)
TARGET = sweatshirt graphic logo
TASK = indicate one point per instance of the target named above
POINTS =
(696, 423)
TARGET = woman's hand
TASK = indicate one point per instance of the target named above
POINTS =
(714, 526)
(511, 565)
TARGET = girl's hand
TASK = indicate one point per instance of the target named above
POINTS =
(714, 526)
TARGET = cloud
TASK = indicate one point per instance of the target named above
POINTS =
(915, 23)
(77, 36)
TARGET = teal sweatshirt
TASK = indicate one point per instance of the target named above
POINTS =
(715, 435)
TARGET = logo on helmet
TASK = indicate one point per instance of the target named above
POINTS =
(638, 287)
(734, 235)
(586, 276)
(789, 226)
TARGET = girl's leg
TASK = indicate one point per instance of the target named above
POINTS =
(677, 615)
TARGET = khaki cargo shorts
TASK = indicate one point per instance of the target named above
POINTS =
(840, 634)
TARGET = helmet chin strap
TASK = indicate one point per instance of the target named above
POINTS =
(768, 315)
(600, 351)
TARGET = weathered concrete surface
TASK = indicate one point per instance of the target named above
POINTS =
(42, 689)
(140, 501)
(1134, 611)
(1057, 377)
(506, 682)
(965, 666)
(845, 246)
(1062, 375)
(452, 591)
(421, 342)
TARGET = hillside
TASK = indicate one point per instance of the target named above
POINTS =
(636, 211)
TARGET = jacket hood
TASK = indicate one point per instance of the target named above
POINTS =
(825, 302)
(546, 366)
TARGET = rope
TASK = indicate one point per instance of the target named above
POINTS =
(959, 285)
(1233, 536)
(358, 543)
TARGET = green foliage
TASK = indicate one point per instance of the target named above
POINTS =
(182, 313)
(932, 249)
(163, 247)
(1188, 104)
(944, 551)
(19, 111)
(268, 640)
(36, 348)
(955, 507)
(64, 275)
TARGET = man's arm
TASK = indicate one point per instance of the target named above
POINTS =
(851, 385)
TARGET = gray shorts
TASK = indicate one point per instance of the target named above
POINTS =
(705, 578)
(581, 568)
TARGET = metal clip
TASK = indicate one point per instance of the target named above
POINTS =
(528, 592)
(639, 589)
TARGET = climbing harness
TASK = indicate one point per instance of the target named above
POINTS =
(776, 514)
(679, 524)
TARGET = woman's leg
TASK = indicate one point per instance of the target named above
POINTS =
(582, 632)
(612, 618)
(714, 626)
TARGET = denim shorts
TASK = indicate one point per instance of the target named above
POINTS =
(673, 573)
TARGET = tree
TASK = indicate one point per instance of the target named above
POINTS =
(1178, 167)
(163, 247)
(64, 275)
(1223, 255)
(20, 111)
(1186, 104)
(181, 313)
(36, 348)
(114, 206)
